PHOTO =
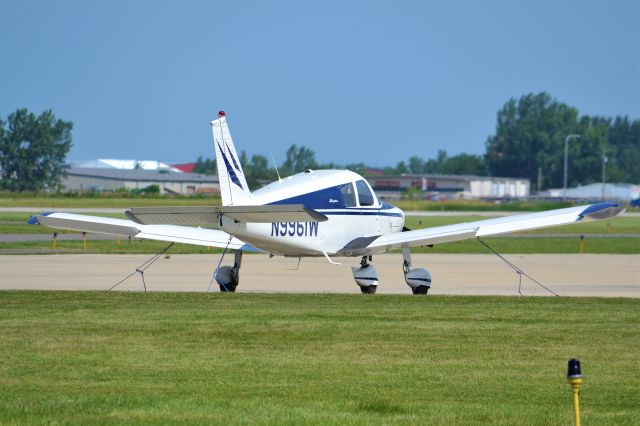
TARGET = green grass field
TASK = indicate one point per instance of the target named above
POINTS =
(112, 358)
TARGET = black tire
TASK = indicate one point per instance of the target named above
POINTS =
(421, 289)
(229, 288)
(368, 289)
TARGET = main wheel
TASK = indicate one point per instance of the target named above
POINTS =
(229, 288)
(421, 289)
(368, 289)
(227, 278)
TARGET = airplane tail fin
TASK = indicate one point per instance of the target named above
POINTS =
(233, 185)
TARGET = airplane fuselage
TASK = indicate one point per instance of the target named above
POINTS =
(343, 196)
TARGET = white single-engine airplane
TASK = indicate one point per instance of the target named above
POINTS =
(313, 213)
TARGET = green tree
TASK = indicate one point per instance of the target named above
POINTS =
(464, 164)
(623, 150)
(435, 166)
(401, 168)
(206, 166)
(298, 160)
(415, 164)
(33, 150)
(530, 133)
(258, 171)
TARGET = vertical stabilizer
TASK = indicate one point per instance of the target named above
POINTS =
(233, 185)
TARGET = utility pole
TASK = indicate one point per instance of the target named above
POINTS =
(566, 163)
(539, 180)
(605, 160)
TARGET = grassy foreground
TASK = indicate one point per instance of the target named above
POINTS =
(74, 357)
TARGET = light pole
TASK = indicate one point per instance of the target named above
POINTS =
(566, 157)
(605, 160)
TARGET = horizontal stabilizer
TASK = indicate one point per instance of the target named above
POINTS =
(81, 223)
(211, 215)
(128, 228)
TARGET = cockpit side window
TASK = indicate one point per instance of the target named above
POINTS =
(348, 195)
(365, 197)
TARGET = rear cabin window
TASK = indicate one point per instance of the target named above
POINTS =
(348, 195)
(365, 197)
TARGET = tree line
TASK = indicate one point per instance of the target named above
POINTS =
(528, 142)
(530, 137)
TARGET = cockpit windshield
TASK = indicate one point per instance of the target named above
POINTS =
(365, 197)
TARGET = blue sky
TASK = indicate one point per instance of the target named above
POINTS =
(371, 81)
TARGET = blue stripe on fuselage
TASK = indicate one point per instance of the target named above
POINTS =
(331, 199)
(361, 213)
(328, 198)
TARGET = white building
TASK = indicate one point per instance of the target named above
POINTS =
(453, 186)
(111, 179)
(624, 192)
(105, 163)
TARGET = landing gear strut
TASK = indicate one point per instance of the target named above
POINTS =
(228, 277)
(418, 279)
(366, 276)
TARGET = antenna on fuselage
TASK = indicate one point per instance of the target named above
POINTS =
(274, 166)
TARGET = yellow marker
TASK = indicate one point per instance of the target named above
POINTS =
(574, 376)
(609, 228)
(581, 244)
(54, 242)
(84, 241)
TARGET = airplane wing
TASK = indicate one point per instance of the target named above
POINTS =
(211, 215)
(481, 228)
(128, 228)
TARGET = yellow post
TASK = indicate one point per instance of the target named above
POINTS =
(84, 241)
(608, 228)
(54, 242)
(574, 376)
(581, 244)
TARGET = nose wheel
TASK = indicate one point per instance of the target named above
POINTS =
(366, 276)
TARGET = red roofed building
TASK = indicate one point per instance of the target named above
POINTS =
(186, 167)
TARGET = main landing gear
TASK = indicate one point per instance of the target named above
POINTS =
(418, 279)
(228, 277)
(366, 276)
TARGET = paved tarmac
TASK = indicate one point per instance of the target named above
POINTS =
(466, 274)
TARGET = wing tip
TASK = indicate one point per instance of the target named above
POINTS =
(602, 211)
(33, 220)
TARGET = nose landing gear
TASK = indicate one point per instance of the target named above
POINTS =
(366, 276)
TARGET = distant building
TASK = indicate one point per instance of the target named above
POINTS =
(111, 179)
(185, 167)
(105, 163)
(624, 192)
(451, 186)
